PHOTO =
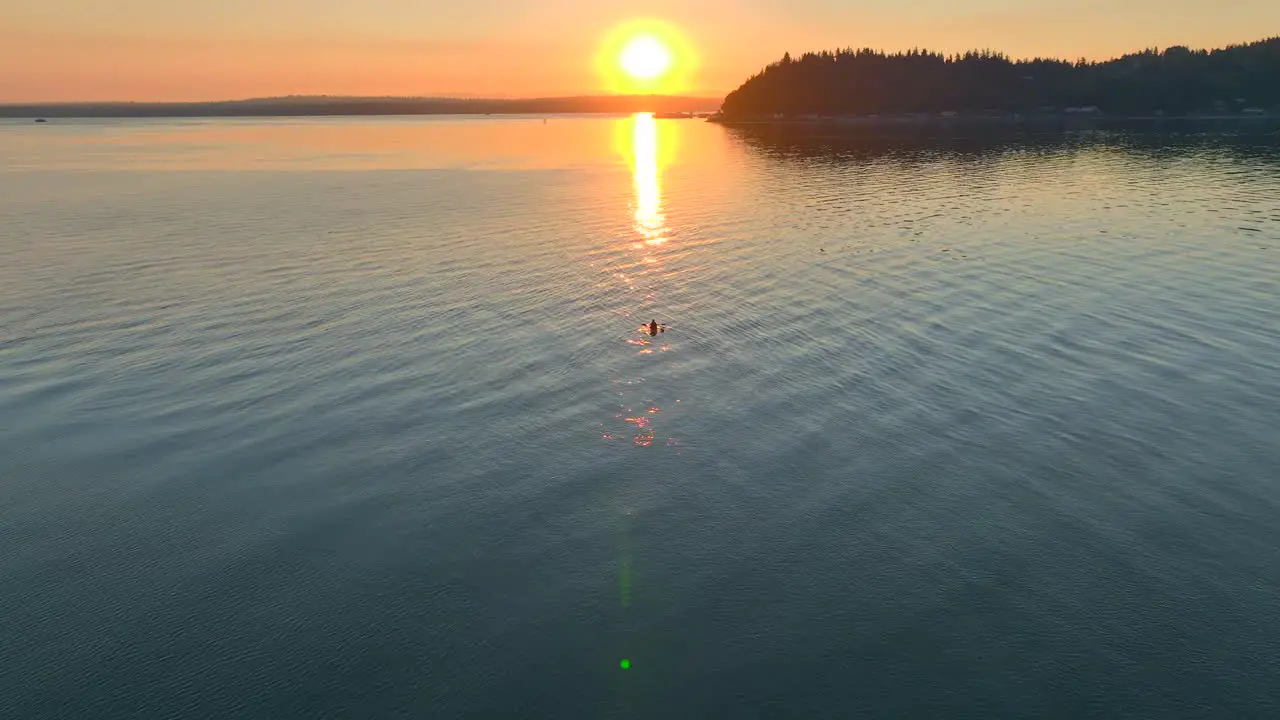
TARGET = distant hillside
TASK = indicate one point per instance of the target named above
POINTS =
(298, 106)
(1241, 79)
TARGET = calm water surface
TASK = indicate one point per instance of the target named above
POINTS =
(353, 419)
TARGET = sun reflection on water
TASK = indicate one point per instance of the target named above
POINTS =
(639, 418)
(647, 146)
(649, 220)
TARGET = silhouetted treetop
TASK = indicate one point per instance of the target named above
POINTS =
(1175, 81)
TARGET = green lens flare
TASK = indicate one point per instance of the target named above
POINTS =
(624, 664)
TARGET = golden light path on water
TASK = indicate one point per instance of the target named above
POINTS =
(650, 225)
(650, 222)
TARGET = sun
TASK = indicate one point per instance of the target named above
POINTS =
(645, 58)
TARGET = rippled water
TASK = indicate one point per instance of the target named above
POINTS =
(353, 418)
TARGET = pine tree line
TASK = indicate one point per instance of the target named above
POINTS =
(1175, 81)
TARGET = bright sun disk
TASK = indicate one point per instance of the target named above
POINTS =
(645, 58)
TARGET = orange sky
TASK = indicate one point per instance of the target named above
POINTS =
(60, 50)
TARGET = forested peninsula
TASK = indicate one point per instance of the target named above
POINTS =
(1240, 80)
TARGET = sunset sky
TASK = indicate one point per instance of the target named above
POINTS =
(59, 50)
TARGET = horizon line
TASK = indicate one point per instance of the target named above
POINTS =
(349, 98)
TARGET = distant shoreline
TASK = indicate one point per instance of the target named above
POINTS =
(328, 107)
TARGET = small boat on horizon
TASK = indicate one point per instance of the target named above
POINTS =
(41, 120)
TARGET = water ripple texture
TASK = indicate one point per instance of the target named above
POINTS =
(363, 418)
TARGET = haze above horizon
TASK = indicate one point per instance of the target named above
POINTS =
(147, 50)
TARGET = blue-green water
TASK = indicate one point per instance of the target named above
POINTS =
(352, 419)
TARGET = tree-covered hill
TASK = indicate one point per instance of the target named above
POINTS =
(1175, 81)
